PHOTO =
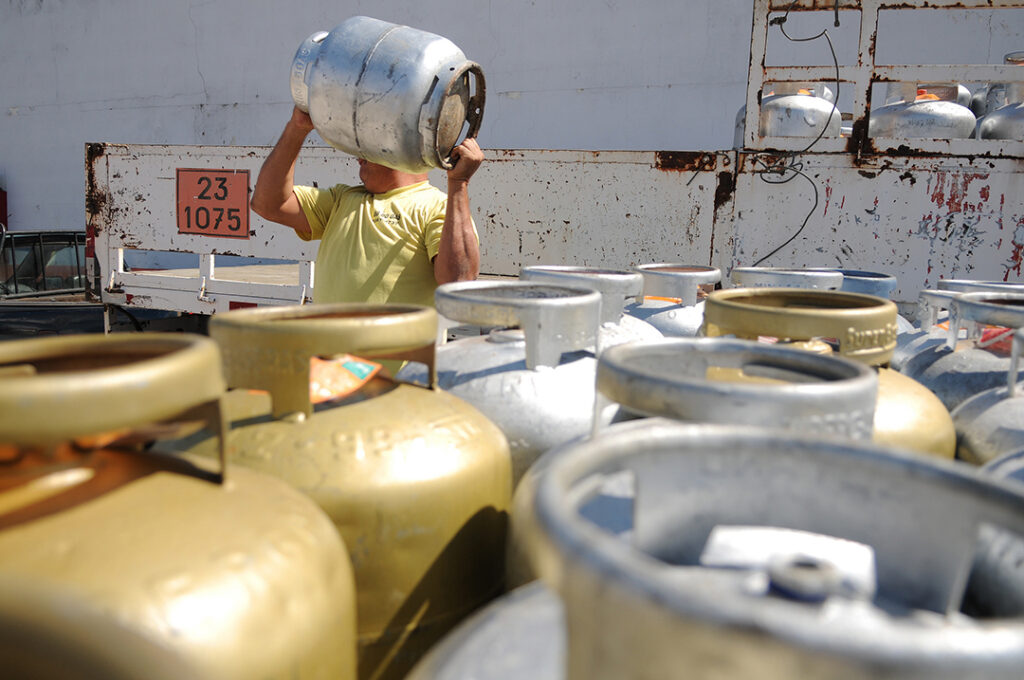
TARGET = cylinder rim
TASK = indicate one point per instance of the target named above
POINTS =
(160, 375)
(864, 325)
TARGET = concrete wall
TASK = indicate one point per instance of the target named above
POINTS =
(562, 74)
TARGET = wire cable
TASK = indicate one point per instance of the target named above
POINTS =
(788, 166)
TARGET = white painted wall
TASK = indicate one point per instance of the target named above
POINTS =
(561, 74)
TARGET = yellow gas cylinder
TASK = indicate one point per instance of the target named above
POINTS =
(118, 562)
(862, 327)
(417, 481)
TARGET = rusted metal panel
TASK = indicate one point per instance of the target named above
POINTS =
(917, 218)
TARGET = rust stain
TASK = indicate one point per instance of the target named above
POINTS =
(909, 175)
(95, 199)
(684, 161)
(724, 189)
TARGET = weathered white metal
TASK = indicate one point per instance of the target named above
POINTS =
(924, 217)
(587, 208)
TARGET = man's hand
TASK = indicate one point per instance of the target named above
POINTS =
(301, 121)
(467, 158)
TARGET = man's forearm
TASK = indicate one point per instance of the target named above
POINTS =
(458, 255)
(273, 197)
(277, 176)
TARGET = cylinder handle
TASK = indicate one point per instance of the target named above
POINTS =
(270, 348)
(929, 304)
(1018, 345)
(787, 277)
(968, 310)
(762, 384)
(554, 318)
(614, 285)
(677, 281)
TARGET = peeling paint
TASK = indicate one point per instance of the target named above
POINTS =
(683, 161)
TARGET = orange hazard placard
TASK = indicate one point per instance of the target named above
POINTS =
(213, 202)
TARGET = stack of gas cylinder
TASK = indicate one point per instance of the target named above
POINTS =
(757, 493)
(911, 111)
(621, 474)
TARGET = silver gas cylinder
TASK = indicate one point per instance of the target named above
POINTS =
(1007, 121)
(713, 380)
(533, 374)
(787, 277)
(991, 423)
(520, 635)
(928, 111)
(672, 297)
(770, 555)
(959, 369)
(616, 286)
(991, 98)
(794, 110)
(755, 554)
(391, 94)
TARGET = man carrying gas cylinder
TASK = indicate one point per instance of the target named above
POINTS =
(394, 238)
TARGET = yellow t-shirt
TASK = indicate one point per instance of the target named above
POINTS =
(375, 247)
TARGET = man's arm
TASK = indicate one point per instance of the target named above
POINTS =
(458, 255)
(273, 197)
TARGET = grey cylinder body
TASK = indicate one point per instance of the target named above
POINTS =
(990, 424)
(790, 113)
(1005, 119)
(518, 636)
(913, 117)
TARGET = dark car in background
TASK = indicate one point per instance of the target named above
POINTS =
(42, 290)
